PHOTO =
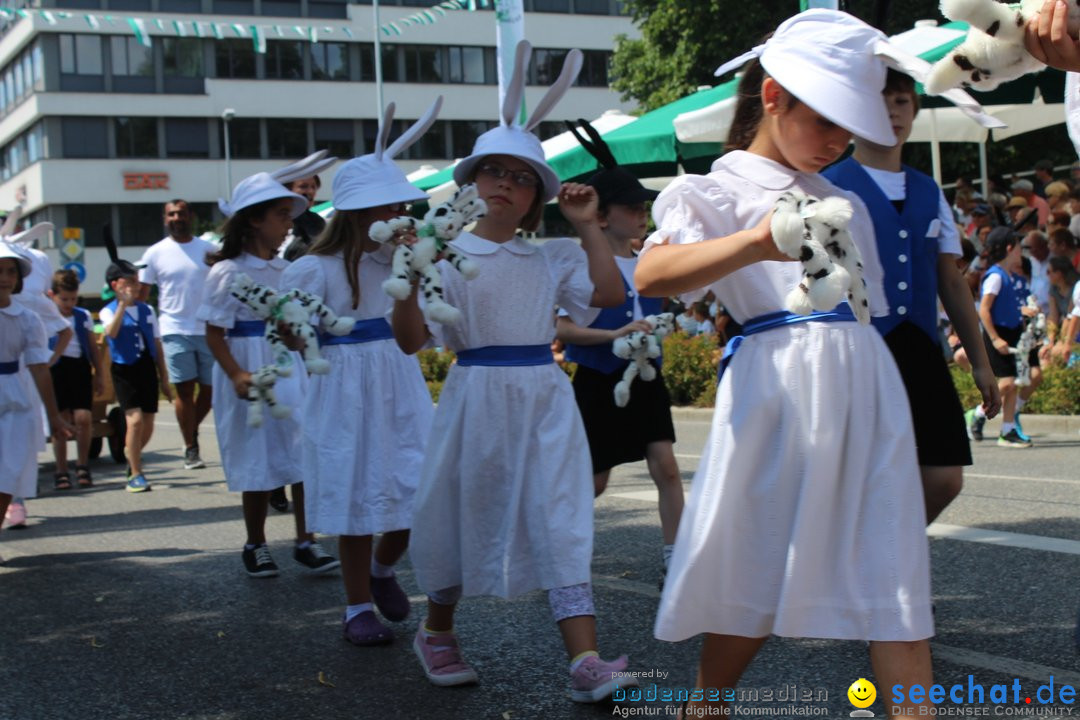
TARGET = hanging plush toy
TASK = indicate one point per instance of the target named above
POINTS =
(1034, 333)
(993, 51)
(815, 232)
(639, 347)
(440, 225)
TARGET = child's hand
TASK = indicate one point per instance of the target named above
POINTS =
(1029, 311)
(62, 430)
(166, 389)
(1047, 38)
(1001, 346)
(636, 326)
(241, 384)
(125, 295)
(988, 387)
(579, 203)
(99, 384)
(290, 340)
(763, 240)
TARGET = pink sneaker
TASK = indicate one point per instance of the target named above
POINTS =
(16, 516)
(442, 661)
(596, 679)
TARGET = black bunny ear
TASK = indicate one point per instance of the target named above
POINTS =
(110, 243)
(597, 148)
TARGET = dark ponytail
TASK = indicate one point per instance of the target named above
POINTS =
(748, 110)
(236, 231)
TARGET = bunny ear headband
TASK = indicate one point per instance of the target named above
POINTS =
(836, 64)
(25, 238)
(614, 185)
(119, 267)
(512, 137)
(373, 180)
(595, 145)
(264, 186)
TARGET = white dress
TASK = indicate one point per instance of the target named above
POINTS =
(22, 340)
(806, 517)
(505, 503)
(267, 457)
(366, 423)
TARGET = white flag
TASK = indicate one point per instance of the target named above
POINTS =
(1072, 108)
(509, 31)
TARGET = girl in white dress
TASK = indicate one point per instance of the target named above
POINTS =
(366, 422)
(505, 498)
(256, 460)
(24, 357)
(806, 515)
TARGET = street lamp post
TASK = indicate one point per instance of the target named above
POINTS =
(226, 116)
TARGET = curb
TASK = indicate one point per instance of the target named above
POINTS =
(1040, 424)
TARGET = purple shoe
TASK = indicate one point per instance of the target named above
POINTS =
(391, 600)
(366, 630)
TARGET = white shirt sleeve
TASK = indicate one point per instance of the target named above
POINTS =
(147, 274)
(949, 240)
(991, 284)
(1075, 301)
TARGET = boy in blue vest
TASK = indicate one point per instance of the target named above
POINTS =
(138, 363)
(918, 245)
(76, 377)
(642, 429)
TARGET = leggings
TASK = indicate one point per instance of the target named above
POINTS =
(566, 602)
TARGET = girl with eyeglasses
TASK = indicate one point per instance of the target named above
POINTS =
(504, 505)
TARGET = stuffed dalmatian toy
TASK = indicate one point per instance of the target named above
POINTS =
(294, 309)
(993, 51)
(441, 224)
(815, 232)
(1033, 335)
(639, 347)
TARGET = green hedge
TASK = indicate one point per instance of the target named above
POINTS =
(1059, 393)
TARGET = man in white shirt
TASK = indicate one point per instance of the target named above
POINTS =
(1038, 252)
(177, 265)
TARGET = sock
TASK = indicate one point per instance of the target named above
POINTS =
(668, 551)
(381, 571)
(1007, 427)
(250, 546)
(979, 412)
(352, 611)
(303, 545)
(578, 659)
(1020, 402)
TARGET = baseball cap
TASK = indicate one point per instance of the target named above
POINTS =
(617, 186)
(981, 209)
(1016, 201)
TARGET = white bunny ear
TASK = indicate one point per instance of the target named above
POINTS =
(11, 221)
(418, 129)
(26, 237)
(511, 108)
(311, 165)
(384, 130)
(570, 69)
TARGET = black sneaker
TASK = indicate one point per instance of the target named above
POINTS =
(315, 558)
(258, 563)
(278, 500)
(192, 461)
(1012, 439)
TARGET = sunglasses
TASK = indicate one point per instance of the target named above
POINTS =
(522, 178)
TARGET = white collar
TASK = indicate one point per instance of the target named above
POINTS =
(257, 263)
(759, 170)
(476, 245)
(14, 308)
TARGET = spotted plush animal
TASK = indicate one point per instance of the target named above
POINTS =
(639, 347)
(815, 232)
(261, 392)
(993, 51)
(1034, 333)
(440, 225)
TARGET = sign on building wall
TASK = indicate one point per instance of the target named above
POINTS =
(146, 181)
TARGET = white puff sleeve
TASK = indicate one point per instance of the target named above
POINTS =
(569, 266)
(219, 307)
(305, 274)
(36, 342)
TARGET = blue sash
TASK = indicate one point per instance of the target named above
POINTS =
(364, 331)
(769, 321)
(247, 328)
(9, 368)
(506, 356)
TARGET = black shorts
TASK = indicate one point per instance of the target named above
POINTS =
(72, 383)
(620, 435)
(136, 385)
(936, 413)
(1005, 365)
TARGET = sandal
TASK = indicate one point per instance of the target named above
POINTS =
(82, 475)
(62, 481)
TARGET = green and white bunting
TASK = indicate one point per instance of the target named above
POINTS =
(432, 14)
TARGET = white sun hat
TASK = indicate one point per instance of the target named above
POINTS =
(373, 180)
(264, 186)
(8, 250)
(512, 137)
(836, 64)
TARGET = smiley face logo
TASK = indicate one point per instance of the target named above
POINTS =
(862, 693)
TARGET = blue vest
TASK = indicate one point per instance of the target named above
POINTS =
(600, 357)
(1005, 312)
(908, 256)
(124, 348)
(81, 318)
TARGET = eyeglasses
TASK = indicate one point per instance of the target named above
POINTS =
(398, 208)
(523, 178)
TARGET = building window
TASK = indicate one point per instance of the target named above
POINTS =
(186, 138)
(235, 58)
(431, 144)
(81, 66)
(140, 223)
(136, 137)
(335, 136)
(244, 142)
(35, 143)
(79, 4)
(284, 60)
(594, 69)
(592, 7)
(143, 5)
(286, 138)
(559, 6)
(467, 65)
(183, 57)
(84, 137)
(129, 57)
(423, 63)
(369, 132)
(390, 70)
(277, 8)
(463, 134)
(180, 6)
(91, 218)
(328, 8)
(549, 129)
(546, 65)
(329, 61)
(367, 62)
(234, 7)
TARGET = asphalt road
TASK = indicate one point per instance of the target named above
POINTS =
(136, 606)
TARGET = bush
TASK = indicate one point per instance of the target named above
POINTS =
(690, 369)
(435, 364)
(1059, 393)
